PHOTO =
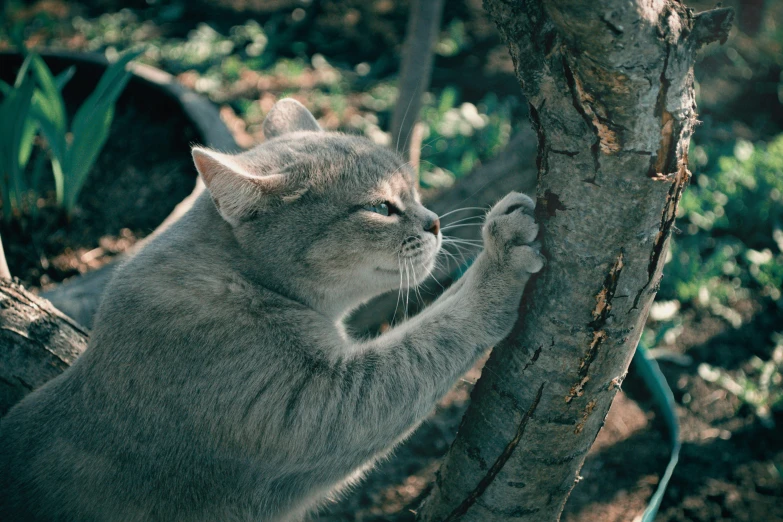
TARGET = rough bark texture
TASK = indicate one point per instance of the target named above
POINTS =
(37, 343)
(610, 88)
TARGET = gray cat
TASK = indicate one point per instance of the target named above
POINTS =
(220, 384)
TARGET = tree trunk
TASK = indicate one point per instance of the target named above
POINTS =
(610, 87)
(37, 343)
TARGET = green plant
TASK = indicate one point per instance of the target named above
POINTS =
(458, 136)
(16, 140)
(731, 245)
(21, 103)
(760, 385)
(73, 150)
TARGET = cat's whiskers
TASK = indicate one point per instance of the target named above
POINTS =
(463, 209)
(460, 251)
(407, 290)
(469, 242)
(464, 220)
(403, 165)
(422, 147)
(449, 227)
(449, 239)
(416, 285)
(449, 256)
(399, 290)
(402, 124)
(437, 267)
(470, 247)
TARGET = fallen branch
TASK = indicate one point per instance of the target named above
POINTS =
(37, 342)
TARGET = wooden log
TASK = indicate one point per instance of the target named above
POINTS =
(37, 342)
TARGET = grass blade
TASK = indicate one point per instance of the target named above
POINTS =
(62, 79)
(17, 108)
(90, 128)
(663, 398)
(49, 106)
(84, 150)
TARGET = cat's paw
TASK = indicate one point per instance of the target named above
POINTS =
(510, 231)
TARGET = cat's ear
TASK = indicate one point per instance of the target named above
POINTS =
(288, 115)
(236, 191)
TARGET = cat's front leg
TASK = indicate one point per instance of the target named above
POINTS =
(493, 286)
(372, 398)
(399, 376)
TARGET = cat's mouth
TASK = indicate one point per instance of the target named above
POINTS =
(420, 263)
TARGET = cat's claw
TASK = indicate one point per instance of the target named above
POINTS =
(510, 231)
(511, 202)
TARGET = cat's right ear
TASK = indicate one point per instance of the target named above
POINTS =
(236, 191)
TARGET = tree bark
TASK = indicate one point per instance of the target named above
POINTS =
(610, 87)
(37, 343)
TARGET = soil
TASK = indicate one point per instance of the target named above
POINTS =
(143, 171)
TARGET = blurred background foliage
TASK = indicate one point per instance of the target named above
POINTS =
(247, 56)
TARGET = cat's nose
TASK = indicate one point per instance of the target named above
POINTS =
(433, 226)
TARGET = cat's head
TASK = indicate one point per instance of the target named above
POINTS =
(323, 209)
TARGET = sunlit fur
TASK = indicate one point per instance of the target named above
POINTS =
(219, 383)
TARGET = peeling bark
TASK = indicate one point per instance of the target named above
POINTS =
(610, 88)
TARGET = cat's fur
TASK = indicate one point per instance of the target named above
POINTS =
(219, 383)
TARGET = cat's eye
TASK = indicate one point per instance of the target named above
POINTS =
(383, 209)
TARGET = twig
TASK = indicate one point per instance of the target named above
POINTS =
(416, 69)
(5, 273)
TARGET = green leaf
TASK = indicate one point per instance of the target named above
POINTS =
(62, 79)
(55, 137)
(35, 180)
(90, 128)
(664, 401)
(14, 113)
(49, 106)
(83, 152)
(59, 180)
(27, 140)
(112, 82)
(22, 74)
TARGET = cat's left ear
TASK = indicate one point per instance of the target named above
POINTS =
(288, 115)
(236, 191)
